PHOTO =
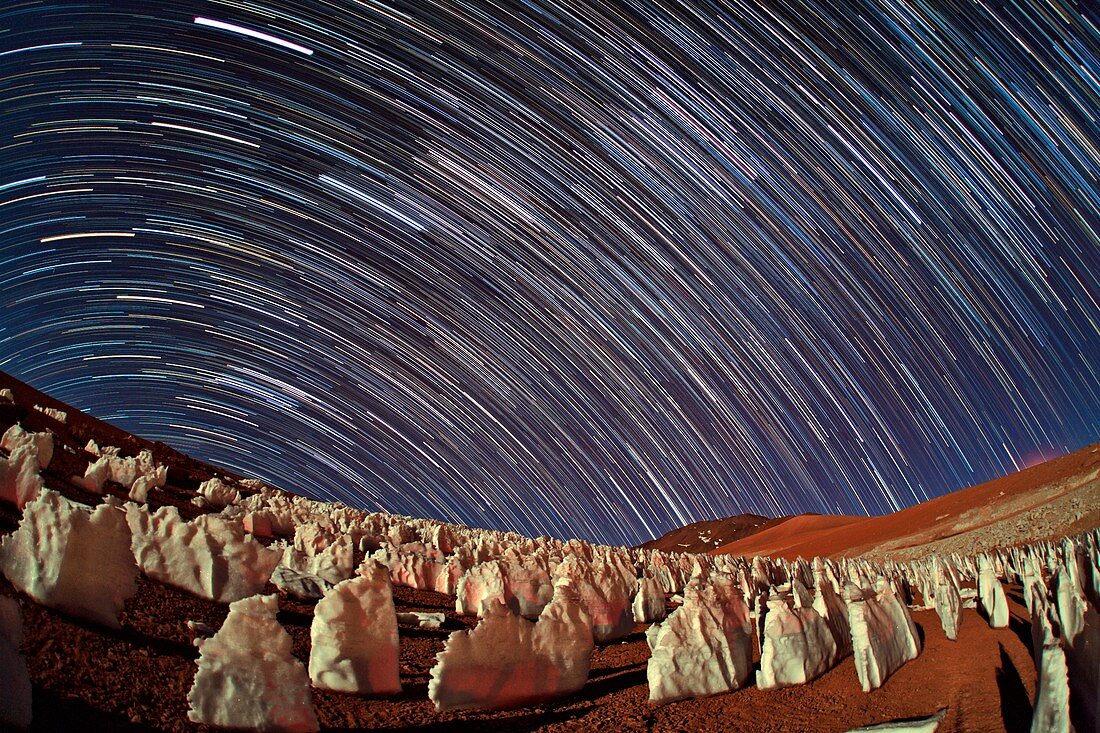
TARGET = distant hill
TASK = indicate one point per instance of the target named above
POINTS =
(1046, 501)
(708, 534)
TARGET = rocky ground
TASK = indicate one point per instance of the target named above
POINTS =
(137, 678)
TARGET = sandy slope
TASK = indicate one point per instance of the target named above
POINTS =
(1046, 501)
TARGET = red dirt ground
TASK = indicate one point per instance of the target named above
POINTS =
(137, 678)
(1047, 501)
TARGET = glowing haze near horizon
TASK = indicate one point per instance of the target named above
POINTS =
(592, 269)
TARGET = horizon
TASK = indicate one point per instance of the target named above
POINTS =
(592, 540)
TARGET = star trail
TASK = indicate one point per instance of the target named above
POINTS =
(593, 269)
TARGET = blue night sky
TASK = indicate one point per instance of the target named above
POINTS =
(596, 269)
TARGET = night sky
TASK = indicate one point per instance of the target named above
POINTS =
(592, 269)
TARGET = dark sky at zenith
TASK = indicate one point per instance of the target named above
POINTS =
(592, 269)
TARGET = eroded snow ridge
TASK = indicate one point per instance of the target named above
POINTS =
(649, 600)
(452, 571)
(1030, 577)
(28, 452)
(15, 688)
(798, 645)
(480, 588)
(704, 647)
(1079, 621)
(210, 556)
(72, 558)
(991, 594)
(1062, 582)
(59, 415)
(276, 510)
(527, 585)
(507, 661)
(137, 474)
(259, 523)
(95, 475)
(322, 552)
(830, 606)
(1051, 712)
(883, 635)
(248, 678)
(946, 598)
(523, 586)
(424, 567)
(218, 493)
(605, 592)
(16, 436)
(354, 636)
(20, 481)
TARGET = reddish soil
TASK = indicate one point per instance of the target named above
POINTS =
(1054, 499)
(137, 678)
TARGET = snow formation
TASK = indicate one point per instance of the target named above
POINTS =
(16, 436)
(72, 558)
(831, 607)
(948, 603)
(649, 600)
(605, 591)
(321, 552)
(798, 646)
(883, 634)
(28, 452)
(218, 493)
(20, 481)
(248, 678)
(991, 594)
(353, 638)
(210, 556)
(524, 587)
(137, 474)
(704, 647)
(1051, 712)
(506, 661)
(59, 415)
